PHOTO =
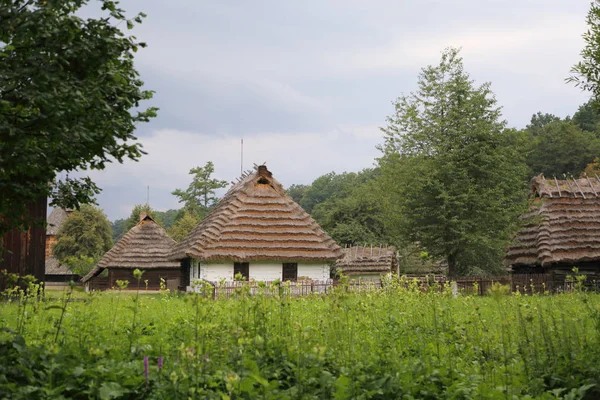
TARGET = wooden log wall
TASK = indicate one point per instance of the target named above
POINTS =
(23, 253)
(152, 275)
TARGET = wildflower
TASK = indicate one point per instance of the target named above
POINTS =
(146, 368)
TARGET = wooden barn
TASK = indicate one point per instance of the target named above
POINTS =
(257, 232)
(55, 272)
(368, 262)
(23, 252)
(146, 247)
(561, 229)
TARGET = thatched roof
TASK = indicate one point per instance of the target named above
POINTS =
(145, 246)
(359, 260)
(55, 220)
(53, 267)
(562, 224)
(257, 220)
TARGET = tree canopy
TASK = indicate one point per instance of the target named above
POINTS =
(455, 177)
(200, 194)
(70, 99)
(83, 238)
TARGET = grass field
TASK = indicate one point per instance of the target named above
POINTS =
(392, 343)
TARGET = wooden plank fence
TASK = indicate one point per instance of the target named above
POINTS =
(526, 284)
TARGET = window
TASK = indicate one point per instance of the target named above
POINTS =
(290, 272)
(242, 268)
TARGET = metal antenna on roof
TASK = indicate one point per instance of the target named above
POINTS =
(242, 158)
(148, 196)
(579, 187)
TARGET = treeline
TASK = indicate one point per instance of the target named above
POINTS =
(452, 178)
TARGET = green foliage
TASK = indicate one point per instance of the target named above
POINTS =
(324, 188)
(85, 234)
(134, 217)
(586, 73)
(81, 265)
(451, 174)
(296, 192)
(200, 194)
(352, 215)
(69, 100)
(345, 345)
(168, 217)
(345, 205)
(164, 218)
(183, 226)
(560, 147)
(587, 117)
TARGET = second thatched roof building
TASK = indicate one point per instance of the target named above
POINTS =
(256, 232)
(147, 247)
(561, 229)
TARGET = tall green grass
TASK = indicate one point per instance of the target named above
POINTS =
(395, 342)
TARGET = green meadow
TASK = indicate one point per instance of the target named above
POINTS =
(391, 343)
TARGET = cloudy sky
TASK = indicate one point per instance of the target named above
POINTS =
(307, 84)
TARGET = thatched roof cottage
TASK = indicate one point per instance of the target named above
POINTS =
(362, 262)
(561, 229)
(258, 232)
(147, 247)
(55, 271)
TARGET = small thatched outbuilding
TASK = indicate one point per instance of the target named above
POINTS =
(258, 232)
(561, 229)
(147, 247)
(362, 262)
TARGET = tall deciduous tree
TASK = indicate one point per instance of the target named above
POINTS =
(85, 235)
(586, 73)
(200, 194)
(457, 182)
(69, 100)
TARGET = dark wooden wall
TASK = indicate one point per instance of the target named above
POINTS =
(23, 253)
(152, 275)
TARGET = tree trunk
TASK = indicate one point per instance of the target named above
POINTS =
(451, 266)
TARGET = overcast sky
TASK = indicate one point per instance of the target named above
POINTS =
(307, 84)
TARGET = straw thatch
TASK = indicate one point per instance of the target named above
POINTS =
(145, 246)
(257, 220)
(362, 260)
(55, 220)
(54, 267)
(562, 225)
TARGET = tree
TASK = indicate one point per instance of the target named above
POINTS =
(560, 147)
(325, 187)
(586, 73)
(587, 117)
(183, 226)
(200, 194)
(456, 180)
(540, 120)
(134, 217)
(69, 101)
(85, 235)
(352, 214)
(296, 192)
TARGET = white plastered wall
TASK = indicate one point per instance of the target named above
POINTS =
(259, 270)
(317, 271)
